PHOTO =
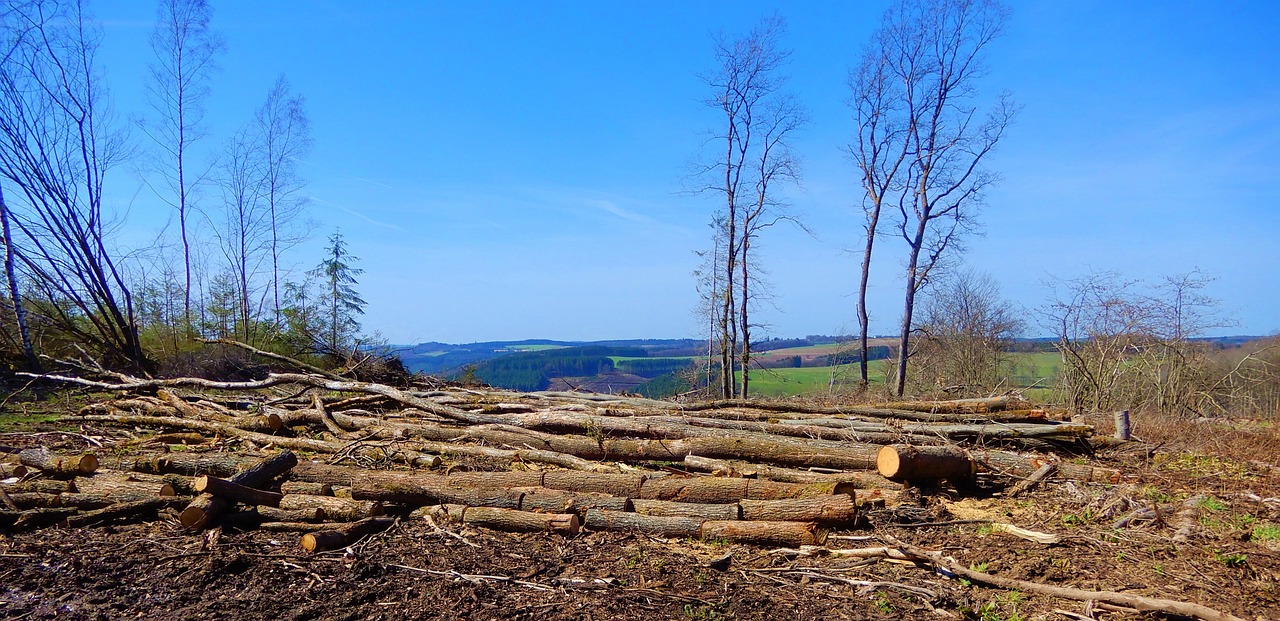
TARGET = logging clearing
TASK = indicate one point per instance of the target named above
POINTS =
(317, 465)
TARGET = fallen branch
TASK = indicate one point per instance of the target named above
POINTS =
(1148, 604)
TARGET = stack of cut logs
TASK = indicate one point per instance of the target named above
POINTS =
(766, 473)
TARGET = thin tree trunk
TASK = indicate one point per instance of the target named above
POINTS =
(908, 308)
(863, 319)
(15, 296)
(746, 326)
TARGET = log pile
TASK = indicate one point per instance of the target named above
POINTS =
(765, 473)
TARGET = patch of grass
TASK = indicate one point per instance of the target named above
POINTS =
(1230, 559)
(883, 604)
(1201, 465)
(1212, 504)
(1154, 494)
(1266, 532)
(21, 421)
(1080, 519)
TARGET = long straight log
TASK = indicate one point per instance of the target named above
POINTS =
(206, 507)
(117, 511)
(35, 500)
(720, 467)
(39, 518)
(836, 509)
(790, 534)
(1022, 466)
(557, 501)
(699, 511)
(510, 520)
(694, 489)
(43, 486)
(58, 465)
(602, 519)
(407, 490)
(118, 485)
(332, 539)
(306, 487)
(336, 509)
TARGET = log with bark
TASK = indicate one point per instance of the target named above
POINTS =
(901, 462)
(235, 492)
(206, 507)
(336, 509)
(332, 539)
(510, 520)
(54, 465)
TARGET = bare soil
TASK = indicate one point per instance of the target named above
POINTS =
(420, 570)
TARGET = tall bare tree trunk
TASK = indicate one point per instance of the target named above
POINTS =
(864, 321)
(19, 311)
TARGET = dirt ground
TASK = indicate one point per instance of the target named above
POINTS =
(420, 570)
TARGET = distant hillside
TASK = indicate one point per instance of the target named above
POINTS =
(435, 358)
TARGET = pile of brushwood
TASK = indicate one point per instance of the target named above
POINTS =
(335, 460)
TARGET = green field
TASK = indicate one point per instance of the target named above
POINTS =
(1033, 373)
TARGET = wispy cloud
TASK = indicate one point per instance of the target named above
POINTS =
(357, 214)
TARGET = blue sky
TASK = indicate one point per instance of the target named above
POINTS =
(511, 170)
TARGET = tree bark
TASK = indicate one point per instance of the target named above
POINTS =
(510, 520)
(206, 507)
(837, 509)
(235, 492)
(791, 534)
(903, 462)
(701, 511)
(324, 540)
(336, 509)
(602, 519)
(58, 465)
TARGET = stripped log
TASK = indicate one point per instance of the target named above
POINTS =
(835, 509)
(333, 539)
(902, 462)
(337, 509)
(58, 465)
(206, 507)
(510, 520)
(603, 519)
(687, 509)
(791, 534)
(235, 492)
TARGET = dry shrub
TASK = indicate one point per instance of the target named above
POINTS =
(1238, 439)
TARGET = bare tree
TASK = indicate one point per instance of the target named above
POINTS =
(967, 331)
(245, 234)
(759, 119)
(285, 135)
(881, 90)
(185, 49)
(56, 146)
(15, 295)
(921, 139)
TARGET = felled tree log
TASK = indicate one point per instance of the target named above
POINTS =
(58, 465)
(694, 489)
(306, 487)
(120, 484)
(835, 509)
(337, 509)
(333, 539)
(699, 511)
(253, 517)
(557, 501)
(12, 470)
(267, 423)
(901, 462)
(792, 534)
(118, 511)
(1022, 466)
(235, 492)
(39, 518)
(418, 492)
(626, 485)
(185, 464)
(205, 507)
(772, 490)
(966, 406)
(35, 500)
(603, 519)
(43, 486)
(720, 467)
(509, 520)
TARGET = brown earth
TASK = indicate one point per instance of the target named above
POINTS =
(418, 570)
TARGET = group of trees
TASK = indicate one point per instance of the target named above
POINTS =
(919, 148)
(221, 272)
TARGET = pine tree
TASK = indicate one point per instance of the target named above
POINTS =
(341, 302)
